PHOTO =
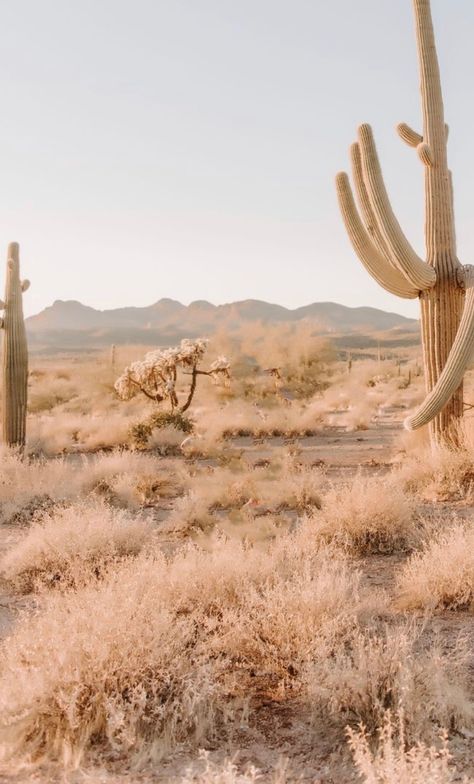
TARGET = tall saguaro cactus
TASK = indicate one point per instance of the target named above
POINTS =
(15, 353)
(445, 287)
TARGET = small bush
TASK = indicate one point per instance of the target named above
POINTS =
(141, 432)
(71, 546)
(393, 763)
(368, 515)
(395, 669)
(441, 575)
(123, 478)
(162, 650)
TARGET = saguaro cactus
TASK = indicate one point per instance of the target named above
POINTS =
(15, 353)
(444, 286)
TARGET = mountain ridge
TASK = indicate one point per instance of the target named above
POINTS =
(70, 322)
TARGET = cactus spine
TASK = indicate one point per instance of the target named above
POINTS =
(445, 287)
(15, 353)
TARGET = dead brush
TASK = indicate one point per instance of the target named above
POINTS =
(163, 651)
(366, 515)
(441, 574)
(442, 473)
(228, 772)
(393, 763)
(71, 546)
(395, 668)
(125, 479)
(283, 484)
(131, 480)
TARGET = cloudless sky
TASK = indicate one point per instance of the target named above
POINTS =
(187, 148)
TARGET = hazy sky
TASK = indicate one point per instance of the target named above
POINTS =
(187, 148)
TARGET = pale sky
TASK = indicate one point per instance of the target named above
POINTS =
(187, 148)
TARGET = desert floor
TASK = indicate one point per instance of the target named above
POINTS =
(281, 739)
(320, 583)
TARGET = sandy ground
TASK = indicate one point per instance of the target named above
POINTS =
(281, 732)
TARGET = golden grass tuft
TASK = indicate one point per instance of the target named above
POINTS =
(164, 651)
(125, 479)
(393, 763)
(70, 546)
(367, 515)
(441, 574)
(397, 668)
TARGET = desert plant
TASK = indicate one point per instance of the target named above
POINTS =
(392, 763)
(15, 353)
(154, 655)
(156, 375)
(69, 546)
(366, 515)
(440, 282)
(398, 668)
(141, 432)
(441, 574)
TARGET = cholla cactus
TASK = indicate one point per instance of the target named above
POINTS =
(156, 375)
(442, 284)
(15, 353)
(220, 371)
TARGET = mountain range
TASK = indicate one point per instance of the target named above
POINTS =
(71, 325)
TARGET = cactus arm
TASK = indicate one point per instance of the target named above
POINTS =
(375, 263)
(419, 274)
(368, 216)
(409, 136)
(25, 285)
(458, 361)
(425, 154)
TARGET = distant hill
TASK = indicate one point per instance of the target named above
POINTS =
(72, 325)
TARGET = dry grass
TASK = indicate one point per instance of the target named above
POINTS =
(439, 474)
(228, 772)
(72, 545)
(284, 484)
(393, 763)
(441, 575)
(166, 651)
(124, 478)
(367, 515)
(144, 652)
(396, 668)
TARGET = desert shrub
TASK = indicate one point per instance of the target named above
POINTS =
(263, 420)
(72, 545)
(444, 473)
(284, 484)
(393, 763)
(437, 475)
(228, 772)
(130, 479)
(167, 441)
(163, 649)
(395, 668)
(45, 397)
(123, 478)
(441, 574)
(141, 432)
(304, 360)
(368, 515)
(64, 432)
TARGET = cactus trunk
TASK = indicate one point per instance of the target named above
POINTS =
(442, 305)
(15, 354)
(444, 286)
